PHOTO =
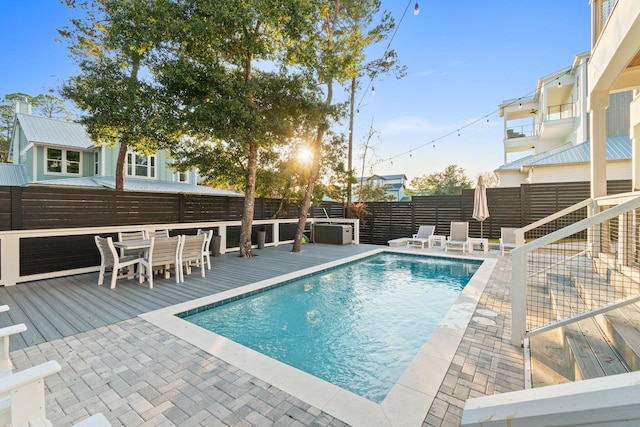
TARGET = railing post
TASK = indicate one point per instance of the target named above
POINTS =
(276, 233)
(222, 229)
(518, 296)
(356, 232)
(10, 259)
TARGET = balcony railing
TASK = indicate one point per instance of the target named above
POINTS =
(521, 131)
(559, 112)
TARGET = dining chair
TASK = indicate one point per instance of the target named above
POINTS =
(207, 246)
(164, 255)
(192, 253)
(111, 258)
(158, 234)
(123, 236)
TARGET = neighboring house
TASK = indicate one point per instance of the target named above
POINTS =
(58, 152)
(393, 184)
(553, 126)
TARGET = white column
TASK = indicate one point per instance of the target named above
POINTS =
(634, 134)
(9, 259)
(598, 103)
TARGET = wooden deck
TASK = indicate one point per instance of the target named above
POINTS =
(57, 308)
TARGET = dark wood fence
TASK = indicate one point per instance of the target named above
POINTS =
(42, 207)
(508, 207)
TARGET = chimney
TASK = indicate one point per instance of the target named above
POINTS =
(23, 105)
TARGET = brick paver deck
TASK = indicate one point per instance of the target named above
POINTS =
(140, 375)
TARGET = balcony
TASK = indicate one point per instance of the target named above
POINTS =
(521, 138)
(559, 122)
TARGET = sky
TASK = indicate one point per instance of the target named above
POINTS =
(463, 59)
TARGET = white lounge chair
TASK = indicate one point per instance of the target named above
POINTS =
(111, 258)
(422, 236)
(507, 239)
(458, 237)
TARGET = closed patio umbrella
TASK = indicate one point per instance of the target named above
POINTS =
(480, 205)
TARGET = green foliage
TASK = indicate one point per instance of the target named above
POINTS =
(369, 191)
(450, 182)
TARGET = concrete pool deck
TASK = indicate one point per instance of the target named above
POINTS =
(138, 374)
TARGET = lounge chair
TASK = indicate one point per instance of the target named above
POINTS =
(110, 258)
(507, 239)
(422, 236)
(459, 236)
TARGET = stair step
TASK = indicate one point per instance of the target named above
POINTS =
(589, 350)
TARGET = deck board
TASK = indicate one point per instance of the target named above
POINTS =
(56, 308)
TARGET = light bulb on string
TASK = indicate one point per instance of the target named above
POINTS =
(458, 132)
(520, 105)
(389, 57)
(373, 90)
(559, 82)
(416, 9)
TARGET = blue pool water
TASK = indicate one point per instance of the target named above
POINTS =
(358, 326)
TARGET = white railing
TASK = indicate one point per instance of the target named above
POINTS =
(610, 401)
(560, 248)
(10, 241)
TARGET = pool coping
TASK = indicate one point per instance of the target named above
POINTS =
(410, 399)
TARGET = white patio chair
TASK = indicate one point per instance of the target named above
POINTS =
(164, 254)
(207, 246)
(124, 236)
(507, 239)
(458, 236)
(23, 402)
(192, 253)
(111, 258)
(422, 236)
(158, 234)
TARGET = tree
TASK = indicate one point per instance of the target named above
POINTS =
(372, 192)
(334, 55)
(113, 44)
(450, 182)
(490, 179)
(225, 83)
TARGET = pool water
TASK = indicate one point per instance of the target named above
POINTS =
(357, 326)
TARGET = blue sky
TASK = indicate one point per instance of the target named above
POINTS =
(463, 59)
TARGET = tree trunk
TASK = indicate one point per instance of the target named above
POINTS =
(313, 176)
(122, 154)
(246, 250)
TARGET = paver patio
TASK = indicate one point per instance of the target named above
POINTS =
(140, 375)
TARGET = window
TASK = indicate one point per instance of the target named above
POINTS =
(141, 165)
(96, 164)
(182, 176)
(63, 161)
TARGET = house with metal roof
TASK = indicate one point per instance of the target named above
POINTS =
(58, 152)
(394, 185)
(552, 126)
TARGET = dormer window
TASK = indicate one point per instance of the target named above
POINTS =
(65, 162)
(141, 165)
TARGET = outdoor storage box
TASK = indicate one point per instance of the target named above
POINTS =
(332, 233)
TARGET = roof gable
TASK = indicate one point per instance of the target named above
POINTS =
(59, 133)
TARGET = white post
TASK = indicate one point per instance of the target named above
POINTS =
(9, 259)
(276, 233)
(518, 295)
(356, 232)
(222, 229)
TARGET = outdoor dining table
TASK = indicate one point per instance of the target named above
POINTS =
(143, 247)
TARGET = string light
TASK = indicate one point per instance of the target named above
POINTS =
(559, 82)
(373, 90)
(416, 9)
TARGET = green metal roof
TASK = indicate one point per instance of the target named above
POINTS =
(55, 132)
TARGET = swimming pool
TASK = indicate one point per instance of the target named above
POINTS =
(408, 401)
(357, 326)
